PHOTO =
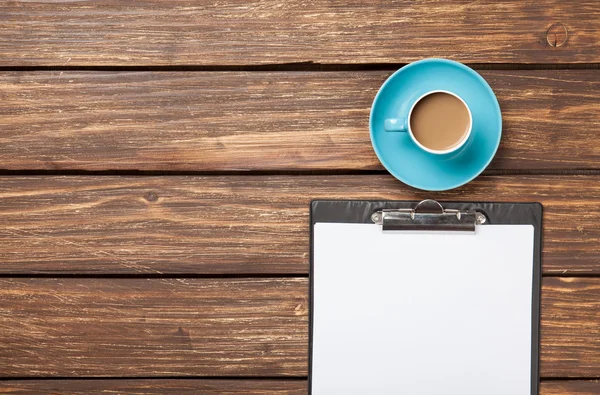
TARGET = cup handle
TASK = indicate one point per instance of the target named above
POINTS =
(395, 125)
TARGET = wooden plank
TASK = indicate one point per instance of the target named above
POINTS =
(570, 387)
(144, 327)
(214, 387)
(239, 224)
(217, 121)
(567, 324)
(221, 327)
(233, 32)
(156, 387)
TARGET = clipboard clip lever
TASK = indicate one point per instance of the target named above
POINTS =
(429, 215)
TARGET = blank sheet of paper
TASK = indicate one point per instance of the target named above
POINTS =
(422, 313)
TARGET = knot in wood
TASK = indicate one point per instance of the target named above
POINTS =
(151, 197)
(182, 332)
(556, 35)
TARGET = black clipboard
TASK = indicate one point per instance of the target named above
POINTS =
(404, 216)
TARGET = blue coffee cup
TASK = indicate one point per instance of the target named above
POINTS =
(404, 156)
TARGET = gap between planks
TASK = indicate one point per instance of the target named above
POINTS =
(242, 386)
(259, 173)
(301, 67)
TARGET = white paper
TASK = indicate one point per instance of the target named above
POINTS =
(422, 313)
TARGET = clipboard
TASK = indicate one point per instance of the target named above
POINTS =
(352, 288)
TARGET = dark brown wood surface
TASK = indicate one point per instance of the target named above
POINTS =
(570, 317)
(233, 32)
(159, 387)
(216, 121)
(221, 327)
(157, 159)
(221, 387)
(570, 387)
(154, 327)
(240, 224)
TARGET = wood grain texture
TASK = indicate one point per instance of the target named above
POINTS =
(156, 387)
(216, 121)
(220, 387)
(232, 32)
(175, 327)
(221, 327)
(565, 326)
(239, 224)
(570, 387)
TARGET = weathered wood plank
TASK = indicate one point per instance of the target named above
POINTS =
(233, 32)
(238, 224)
(569, 324)
(100, 327)
(265, 120)
(156, 387)
(221, 327)
(571, 387)
(221, 387)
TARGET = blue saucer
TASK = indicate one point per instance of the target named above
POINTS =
(403, 158)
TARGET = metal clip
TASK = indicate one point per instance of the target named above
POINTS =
(429, 215)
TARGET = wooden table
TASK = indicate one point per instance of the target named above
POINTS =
(158, 159)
